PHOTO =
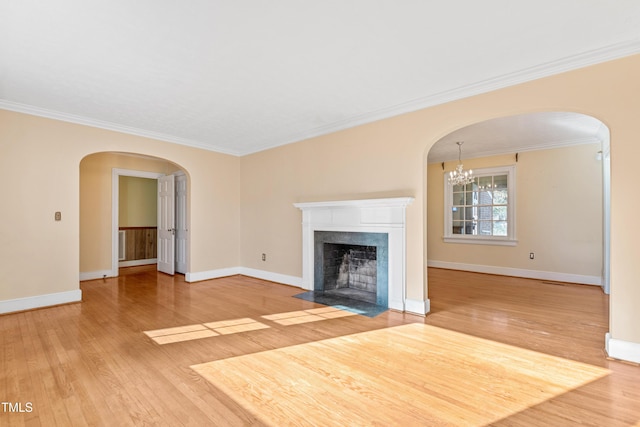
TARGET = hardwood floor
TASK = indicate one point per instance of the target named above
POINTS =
(92, 363)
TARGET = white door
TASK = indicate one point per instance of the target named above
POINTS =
(166, 224)
(182, 236)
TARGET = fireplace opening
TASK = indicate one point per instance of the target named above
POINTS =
(350, 271)
(356, 265)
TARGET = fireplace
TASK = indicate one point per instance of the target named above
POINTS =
(352, 265)
(377, 223)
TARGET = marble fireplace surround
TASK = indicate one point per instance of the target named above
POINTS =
(359, 216)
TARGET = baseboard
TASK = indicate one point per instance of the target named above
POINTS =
(518, 272)
(29, 303)
(411, 306)
(211, 274)
(272, 277)
(622, 350)
(251, 272)
(136, 262)
(93, 275)
(417, 306)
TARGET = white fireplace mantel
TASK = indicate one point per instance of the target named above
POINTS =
(368, 216)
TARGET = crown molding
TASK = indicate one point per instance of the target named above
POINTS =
(86, 121)
(561, 65)
(569, 63)
(519, 149)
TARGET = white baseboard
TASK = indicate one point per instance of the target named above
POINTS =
(29, 303)
(417, 306)
(251, 272)
(518, 272)
(136, 262)
(411, 306)
(93, 275)
(211, 274)
(622, 350)
(272, 277)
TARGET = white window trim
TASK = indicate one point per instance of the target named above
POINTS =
(510, 239)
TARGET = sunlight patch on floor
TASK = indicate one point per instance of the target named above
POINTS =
(412, 374)
(226, 327)
(306, 316)
(205, 330)
(245, 324)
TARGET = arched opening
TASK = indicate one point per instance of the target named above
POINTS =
(100, 212)
(562, 188)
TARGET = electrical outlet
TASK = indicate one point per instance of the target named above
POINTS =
(58, 216)
(264, 257)
(532, 255)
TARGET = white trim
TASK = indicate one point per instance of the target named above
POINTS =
(87, 121)
(417, 306)
(572, 62)
(622, 350)
(136, 262)
(479, 240)
(47, 300)
(211, 274)
(606, 209)
(518, 272)
(367, 216)
(245, 271)
(116, 173)
(538, 146)
(272, 277)
(410, 306)
(364, 203)
(93, 275)
(122, 245)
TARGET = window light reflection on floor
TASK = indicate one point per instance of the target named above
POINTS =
(245, 324)
(307, 316)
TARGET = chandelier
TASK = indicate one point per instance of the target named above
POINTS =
(460, 176)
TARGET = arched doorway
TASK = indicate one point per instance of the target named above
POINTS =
(99, 206)
(562, 164)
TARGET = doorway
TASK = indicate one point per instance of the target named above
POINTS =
(573, 176)
(172, 232)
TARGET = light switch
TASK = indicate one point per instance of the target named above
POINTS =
(58, 216)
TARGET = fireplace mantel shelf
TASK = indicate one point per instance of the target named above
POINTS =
(387, 202)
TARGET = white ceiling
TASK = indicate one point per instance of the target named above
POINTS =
(244, 76)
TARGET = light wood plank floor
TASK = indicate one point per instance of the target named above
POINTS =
(92, 363)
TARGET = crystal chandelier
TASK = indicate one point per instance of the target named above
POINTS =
(460, 176)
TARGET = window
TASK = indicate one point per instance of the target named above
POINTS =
(482, 211)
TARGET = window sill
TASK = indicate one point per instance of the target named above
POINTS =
(480, 241)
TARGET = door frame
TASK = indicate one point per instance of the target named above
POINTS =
(116, 173)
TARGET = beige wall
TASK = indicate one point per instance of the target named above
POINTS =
(389, 158)
(558, 213)
(138, 202)
(363, 162)
(40, 158)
